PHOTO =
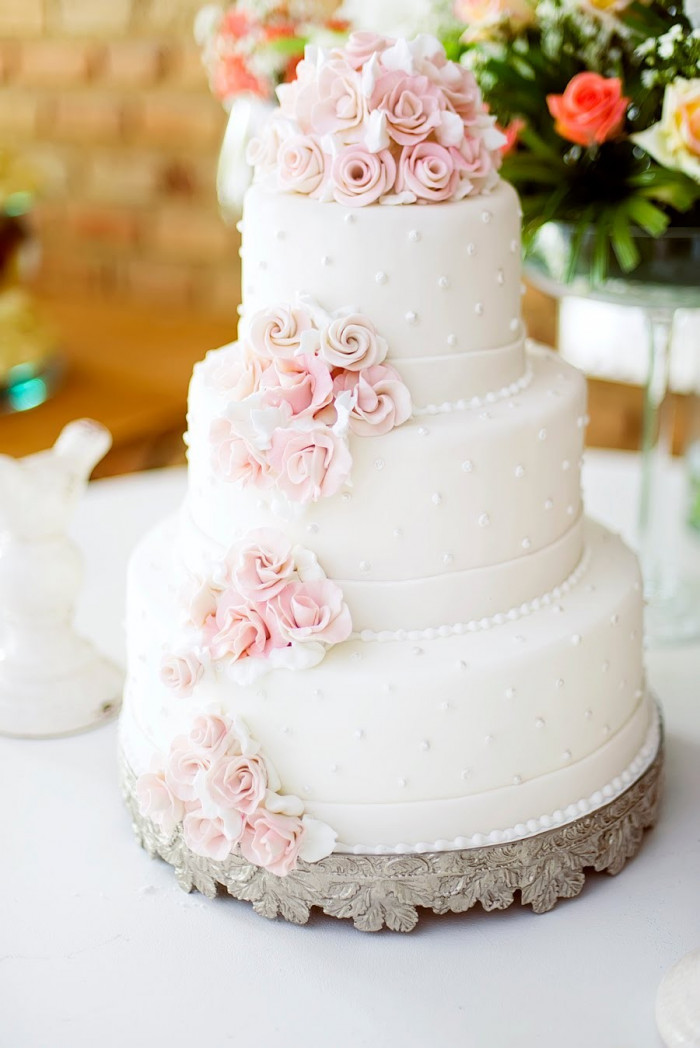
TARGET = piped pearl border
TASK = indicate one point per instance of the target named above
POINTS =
(488, 622)
(477, 402)
(559, 817)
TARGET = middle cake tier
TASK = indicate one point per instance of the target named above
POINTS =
(473, 510)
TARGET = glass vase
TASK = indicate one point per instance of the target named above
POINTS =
(666, 280)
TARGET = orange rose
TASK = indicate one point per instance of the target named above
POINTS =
(591, 109)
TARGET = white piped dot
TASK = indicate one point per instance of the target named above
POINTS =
(365, 566)
(425, 745)
(452, 340)
(350, 218)
(447, 559)
(526, 543)
(548, 504)
(486, 216)
(510, 693)
(462, 665)
(466, 773)
(444, 282)
(500, 277)
(588, 714)
(566, 755)
(606, 729)
(402, 783)
(471, 249)
(397, 533)
(411, 318)
(381, 278)
(414, 236)
(606, 666)
(576, 639)
(479, 309)
(262, 264)
(280, 234)
(379, 464)
(436, 498)
(570, 511)
(542, 435)
(417, 650)
(566, 465)
(359, 733)
(488, 740)
(346, 496)
(614, 619)
(517, 779)
(539, 722)
(326, 260)
(560, 682)
(519, 471)
(513, 246)
(467, 466)
(313, 528)
(423, 431)
(333, 769)
(484, 520)
(514, 324)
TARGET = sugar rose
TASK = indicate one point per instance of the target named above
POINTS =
(591, 110)
(181, 672)
(277, 331)
(310, 465)
(675, 141)
(263, 565)
(273, 841)
(158, 801)
(302, 164)
(352, 342)
(360, 177)
(381, 400)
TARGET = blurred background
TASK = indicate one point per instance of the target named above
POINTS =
(122, 261)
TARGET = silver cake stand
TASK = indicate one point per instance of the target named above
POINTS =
(378, 890)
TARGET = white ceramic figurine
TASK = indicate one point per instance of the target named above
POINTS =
(52, 682)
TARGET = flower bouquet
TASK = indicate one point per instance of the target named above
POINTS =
(600, 100)
(248, 49)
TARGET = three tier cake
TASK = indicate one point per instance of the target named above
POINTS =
(381, 624)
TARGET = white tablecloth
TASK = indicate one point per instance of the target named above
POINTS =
(99, 948)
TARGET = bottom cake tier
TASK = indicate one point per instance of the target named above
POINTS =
(517, 724)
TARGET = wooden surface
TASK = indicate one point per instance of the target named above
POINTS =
(129, 368)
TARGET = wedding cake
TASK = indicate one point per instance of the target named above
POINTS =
(381, 624)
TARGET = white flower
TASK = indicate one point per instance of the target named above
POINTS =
(674, 142)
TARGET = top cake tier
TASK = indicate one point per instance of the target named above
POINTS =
(437, 281)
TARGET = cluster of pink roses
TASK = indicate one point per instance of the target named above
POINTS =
(380, 120)
(215, 784)
(270, 606)
(296, 383)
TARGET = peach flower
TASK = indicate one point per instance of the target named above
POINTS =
(429, 171)
(352, 342)
(181, 672)
(591, 110)
(272, 840)
(360, 177)
(238, 630)
(301, 164)
(158, 802)
(277, 331)
(362, 45)
(310, 611)
(303, 383)
(381, 400)
(263, 565)
(211, 734)
(234, 459)
(482, 15)
(212, 838)
(309, 465)
(412, 105)
(341, 108)
(237, 783)
(234, 371)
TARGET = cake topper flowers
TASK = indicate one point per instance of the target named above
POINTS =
(379, 121)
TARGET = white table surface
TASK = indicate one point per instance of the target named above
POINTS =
(99, 948)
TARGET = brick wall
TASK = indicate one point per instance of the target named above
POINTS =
(110, 98)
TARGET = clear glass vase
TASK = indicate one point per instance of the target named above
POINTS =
(247, 116)
(666, 280)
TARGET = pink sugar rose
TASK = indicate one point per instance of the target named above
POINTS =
(301, 164)
(352, 342)
(303, 383)
(381, 400)
(461, 92)
(298, 97)
(310, 465)
(212, 838)
(263, 565)
(412, 105)
(234, 459)
(199, 601)
(429, 171)
(236, 783)
(263, 150)
(591, 110)
(474, 159)
(235, 371)
(360, 177)
(158, 802)
(362, 45)
(211, 735)
(238, 630)
(277, 331)
(184, 767)
(310, 611)
(341, 107)
(181, 672)
(272, 841)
